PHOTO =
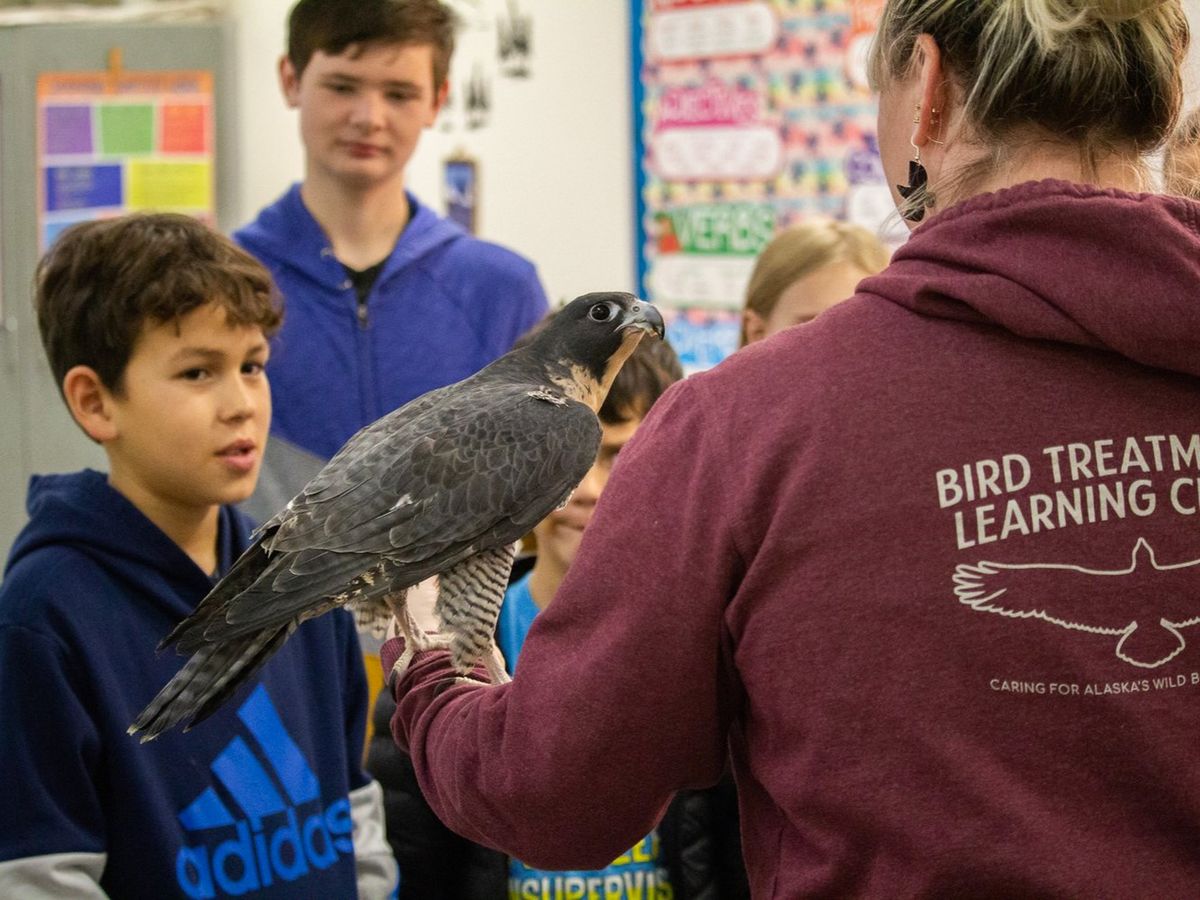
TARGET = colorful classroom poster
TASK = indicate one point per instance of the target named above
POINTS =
(112, 142)
(702, 337)
(749, 115)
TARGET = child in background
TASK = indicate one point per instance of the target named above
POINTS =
(386, 299)
(650, 370)
(804, 270)
(156, 330)
(695, 852)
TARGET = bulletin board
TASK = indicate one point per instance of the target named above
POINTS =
(749, 115)
(114, 141)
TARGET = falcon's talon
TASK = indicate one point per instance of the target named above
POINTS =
(496, 673)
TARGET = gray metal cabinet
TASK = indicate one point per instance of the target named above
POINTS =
(36, 433)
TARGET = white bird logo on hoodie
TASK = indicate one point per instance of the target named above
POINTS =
(1145, 604)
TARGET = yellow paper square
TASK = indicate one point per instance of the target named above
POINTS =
(170, 185)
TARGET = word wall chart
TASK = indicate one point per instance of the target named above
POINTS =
(749, 115)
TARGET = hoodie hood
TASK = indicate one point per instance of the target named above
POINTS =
(83, 512)
(1063, 262)
(286, 236)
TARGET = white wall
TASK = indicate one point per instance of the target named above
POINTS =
(555, 164)
(556, 179)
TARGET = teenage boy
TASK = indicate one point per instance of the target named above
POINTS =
(386, 300)
(156, 330)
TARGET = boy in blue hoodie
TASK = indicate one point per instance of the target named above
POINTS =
(386, 300)
(156, 330)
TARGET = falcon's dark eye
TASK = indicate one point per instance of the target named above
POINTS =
(601, 312)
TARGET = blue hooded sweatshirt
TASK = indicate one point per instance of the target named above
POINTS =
(444, 305)
(263, 796)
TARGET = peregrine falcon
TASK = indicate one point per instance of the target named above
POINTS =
(445, 485)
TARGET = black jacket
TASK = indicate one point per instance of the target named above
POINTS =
(699, 832)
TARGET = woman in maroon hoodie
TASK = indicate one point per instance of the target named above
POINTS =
(928, 567)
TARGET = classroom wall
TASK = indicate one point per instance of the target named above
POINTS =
(554, 157)
(555, 161)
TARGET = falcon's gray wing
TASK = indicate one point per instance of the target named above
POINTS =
(473, 470)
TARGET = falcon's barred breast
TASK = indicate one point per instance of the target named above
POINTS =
(445, 485)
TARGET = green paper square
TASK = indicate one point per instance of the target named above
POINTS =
(126, 129)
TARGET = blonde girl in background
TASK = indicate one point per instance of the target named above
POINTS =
(804, 270)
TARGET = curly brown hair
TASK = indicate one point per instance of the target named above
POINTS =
(102, 282)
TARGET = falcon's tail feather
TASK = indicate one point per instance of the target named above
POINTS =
(189, 634)
(206, 680)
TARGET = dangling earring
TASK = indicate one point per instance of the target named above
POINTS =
(918, 178)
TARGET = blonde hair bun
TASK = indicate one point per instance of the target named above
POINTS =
(1054, 22)
(1101, 73)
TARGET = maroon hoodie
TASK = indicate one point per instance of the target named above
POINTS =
(928, 567)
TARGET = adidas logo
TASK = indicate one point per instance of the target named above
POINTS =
(281, 836)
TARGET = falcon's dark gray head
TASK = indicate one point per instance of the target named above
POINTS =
(589, 339)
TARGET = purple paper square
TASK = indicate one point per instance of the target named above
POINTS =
(68, 129)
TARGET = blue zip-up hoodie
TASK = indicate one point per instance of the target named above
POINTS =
(259, 796)
(444, 306)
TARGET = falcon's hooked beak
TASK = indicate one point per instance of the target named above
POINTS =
(644, 317)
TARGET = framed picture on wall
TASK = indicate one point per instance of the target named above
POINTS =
(461, 190)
